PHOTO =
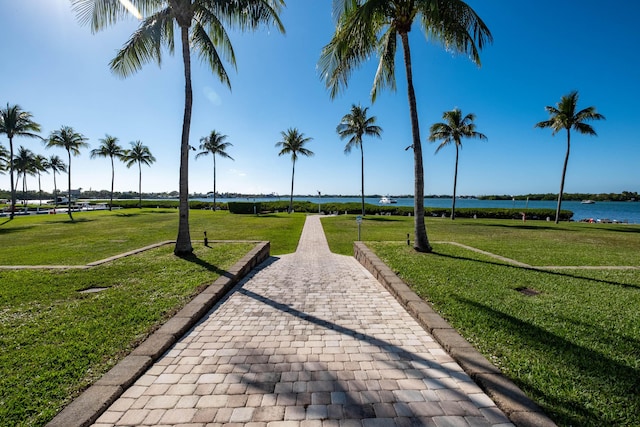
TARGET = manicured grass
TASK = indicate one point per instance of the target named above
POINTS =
(95, 235)
(56, 341)
(575, 347)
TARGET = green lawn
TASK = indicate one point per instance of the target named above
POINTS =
(55, 340)
(575, 347)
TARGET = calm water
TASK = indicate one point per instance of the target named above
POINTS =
(619, 211)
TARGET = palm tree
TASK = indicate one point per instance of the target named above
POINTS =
(15, 122)
(71, 141)
(355, 124)
(56, 165)
(564, 116)
(24, 164)
(293, 143)
(368, 27)
(41, 165)
(139, 153)
(4, 159)
(202, 28)
(216, 145)
(451, 131)
(109, 148)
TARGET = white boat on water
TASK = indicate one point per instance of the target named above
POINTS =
(386, 200)
(587, 202)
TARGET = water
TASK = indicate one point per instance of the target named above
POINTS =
(618, 211)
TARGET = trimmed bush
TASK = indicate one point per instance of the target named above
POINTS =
(245, 207)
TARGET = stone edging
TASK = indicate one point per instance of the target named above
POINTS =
(86, 408)
(520, 409)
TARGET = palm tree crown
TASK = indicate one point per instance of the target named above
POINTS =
(356, 124)
(366, 28)
(71, 141)
(451, 131)
(4, 159)
(216, 145)
(292, 143)
(202, 27)
(140, 154)
(24, 163)
(16, 122)
(565, 116)
(109, 148)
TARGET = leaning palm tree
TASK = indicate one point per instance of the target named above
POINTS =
(202, 27)
(216, 145)
(139, 153)
(451, 131)
(564, 116)
(293, 143)
(15, 122)
(368, 27)
(109, 148)
(71, 141)
(356, 124)
(24, 163)
(56, 165)
(41, 165)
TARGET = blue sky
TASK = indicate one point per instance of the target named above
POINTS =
(543, 49)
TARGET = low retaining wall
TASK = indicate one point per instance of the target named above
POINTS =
(87, 407)
(521, 410)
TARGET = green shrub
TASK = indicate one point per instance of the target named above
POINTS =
(245, 207)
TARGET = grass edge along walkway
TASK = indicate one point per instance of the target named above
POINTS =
(86, 408)
(520, 409)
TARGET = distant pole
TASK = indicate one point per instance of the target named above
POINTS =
(319, 201)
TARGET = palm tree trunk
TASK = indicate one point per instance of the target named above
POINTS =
(139, 185)
(55, 190)
(214, 181)
(69, 187)
(39, 189)
(293, 172)
(362, 176)
(13, 187)
(112, 179)
(564, 172)
(183, 241)
(455, 185)
(421, 243)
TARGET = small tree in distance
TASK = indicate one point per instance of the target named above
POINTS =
(139, 153)
(564, 116)
(216, 145)
(109, 148)
(293, 142)
(451, 131)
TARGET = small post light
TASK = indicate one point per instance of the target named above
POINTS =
(408, 240)
(206, 240)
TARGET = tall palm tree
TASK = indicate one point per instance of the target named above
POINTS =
(109, 148)
(72, 141)
(216, 145)
(356, 124)
(41, 165)
(202, 28)
(24, 164)
(15, 122)
(565, 116)
(139, 153)
(56, 165)
(451, 131)
(293, 143)
(368, 27)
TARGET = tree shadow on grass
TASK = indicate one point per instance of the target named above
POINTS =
(207, 265)
(525, 226)
(539, 270)
(382, 218)
(612, 377)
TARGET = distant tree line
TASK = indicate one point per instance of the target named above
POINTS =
(625, 196)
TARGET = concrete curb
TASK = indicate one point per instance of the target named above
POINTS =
(521, 410)
(86, 408)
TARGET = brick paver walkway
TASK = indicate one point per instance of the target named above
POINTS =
(309, 339)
